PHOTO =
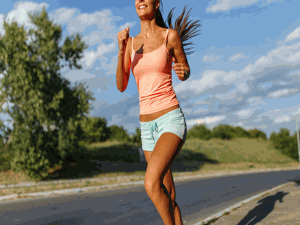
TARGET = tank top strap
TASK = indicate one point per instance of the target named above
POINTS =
(166, 35)
(131, 47)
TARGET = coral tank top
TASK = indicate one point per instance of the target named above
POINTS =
(153, 75)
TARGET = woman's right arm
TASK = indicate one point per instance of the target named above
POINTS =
(124, 60)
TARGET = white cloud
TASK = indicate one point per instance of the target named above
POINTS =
(110, 67)
(90, 57)
(127, 24)
(2, 31)
(280, 115)
(226, 96)
(243, 87)
(296, 72)
(19, 13)
(282, 119)
(104, 20)
(296, 112)
(257, 103)
(78, 75)
(200, 110)
(293, 35)
(245, 113)
(201, 102)
(237, 57)
(96, 37)
(63, 15)
(254, 99)
(274, 68)
(107, 29)
(226, 5)
(91, 19)
(282, 92)
(209, 58)
(207, 120)
(262, 127)
(116, 119)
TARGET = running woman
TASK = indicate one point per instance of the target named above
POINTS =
(150, 55)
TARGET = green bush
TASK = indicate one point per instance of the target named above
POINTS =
(273, 137)
(224, 131)
(255, 133)
(199, 131)
(119, 133)
(95, 129)
(285, 143)
(6, 155)
(240, 132)
(137, 136)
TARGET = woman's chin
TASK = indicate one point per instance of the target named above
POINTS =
(144, 16)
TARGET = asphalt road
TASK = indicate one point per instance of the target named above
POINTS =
(197, 200)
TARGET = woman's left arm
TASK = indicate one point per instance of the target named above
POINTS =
(181, 66)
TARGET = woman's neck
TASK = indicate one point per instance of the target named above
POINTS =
(148, 28)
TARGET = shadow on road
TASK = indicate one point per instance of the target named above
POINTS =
(261, 211)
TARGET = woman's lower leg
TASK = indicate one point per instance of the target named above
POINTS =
(176, 210)
(177, 215)
(163, 204)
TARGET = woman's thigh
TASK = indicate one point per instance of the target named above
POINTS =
(168, 179)
(173, 122)
(162, 157)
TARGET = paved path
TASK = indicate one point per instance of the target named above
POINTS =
(197, 199)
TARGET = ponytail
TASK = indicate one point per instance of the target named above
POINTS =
(185, 28)
(159, 19)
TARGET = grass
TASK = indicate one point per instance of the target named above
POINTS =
(117, 160)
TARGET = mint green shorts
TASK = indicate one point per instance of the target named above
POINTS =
(173, 121)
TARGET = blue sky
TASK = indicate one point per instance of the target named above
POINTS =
(245, 70)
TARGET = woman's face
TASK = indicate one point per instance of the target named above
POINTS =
(146, 8)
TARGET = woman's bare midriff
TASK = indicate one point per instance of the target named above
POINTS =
(153, 116)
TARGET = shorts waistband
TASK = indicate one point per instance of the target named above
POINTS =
(174, 111)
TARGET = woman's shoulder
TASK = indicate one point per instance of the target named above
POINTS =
(173, 32)
(173, 36)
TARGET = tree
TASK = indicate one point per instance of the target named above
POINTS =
(119, 133)
(224, 131)
(95, 129)
(285, 143)
(255, 133)
(273, 136)
(137, 136)
(41, 97)
(199, 131)
(5, 137)
(240, 132)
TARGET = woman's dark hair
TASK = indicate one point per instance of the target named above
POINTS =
(186, 29)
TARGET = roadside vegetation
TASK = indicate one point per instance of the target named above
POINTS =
(118, 160)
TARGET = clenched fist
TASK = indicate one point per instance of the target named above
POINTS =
(180, 70)
(123, 36)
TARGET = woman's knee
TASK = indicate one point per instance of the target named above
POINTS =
(151, 185)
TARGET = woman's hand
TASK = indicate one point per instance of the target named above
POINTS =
(123, 36)
(180, 70)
